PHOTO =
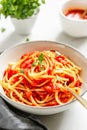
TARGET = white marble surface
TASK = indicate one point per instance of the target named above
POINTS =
(48, 27)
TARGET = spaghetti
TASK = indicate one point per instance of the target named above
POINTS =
(40, 78)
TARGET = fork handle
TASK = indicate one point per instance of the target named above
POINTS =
(79, 98)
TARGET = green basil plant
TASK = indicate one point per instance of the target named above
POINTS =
(19, 9)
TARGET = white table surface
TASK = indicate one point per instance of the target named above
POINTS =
(47, 27)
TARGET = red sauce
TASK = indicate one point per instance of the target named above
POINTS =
(76, 14)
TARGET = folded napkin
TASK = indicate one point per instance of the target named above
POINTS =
(14, 119)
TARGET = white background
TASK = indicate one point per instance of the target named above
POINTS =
(48, 27)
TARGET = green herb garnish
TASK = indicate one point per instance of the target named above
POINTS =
(57, 78)
(27, 39)
(41, 68)
(3, 29)
(21, 71)
(39, 62)
(34, 64)
(20, 9)
(40, 58)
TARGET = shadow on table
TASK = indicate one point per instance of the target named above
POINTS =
(11, 40)
(53, 122)
(72, 41)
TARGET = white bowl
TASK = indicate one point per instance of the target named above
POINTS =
(25, 26)
(14, 53)
(73, 27)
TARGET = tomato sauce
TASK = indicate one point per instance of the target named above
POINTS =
(76, 14)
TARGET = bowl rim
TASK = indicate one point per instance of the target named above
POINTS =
(34, 42)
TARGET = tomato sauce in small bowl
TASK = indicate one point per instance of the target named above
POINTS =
(76, 14)
(73, 17)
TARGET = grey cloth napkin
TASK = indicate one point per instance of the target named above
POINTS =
(14, 119)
